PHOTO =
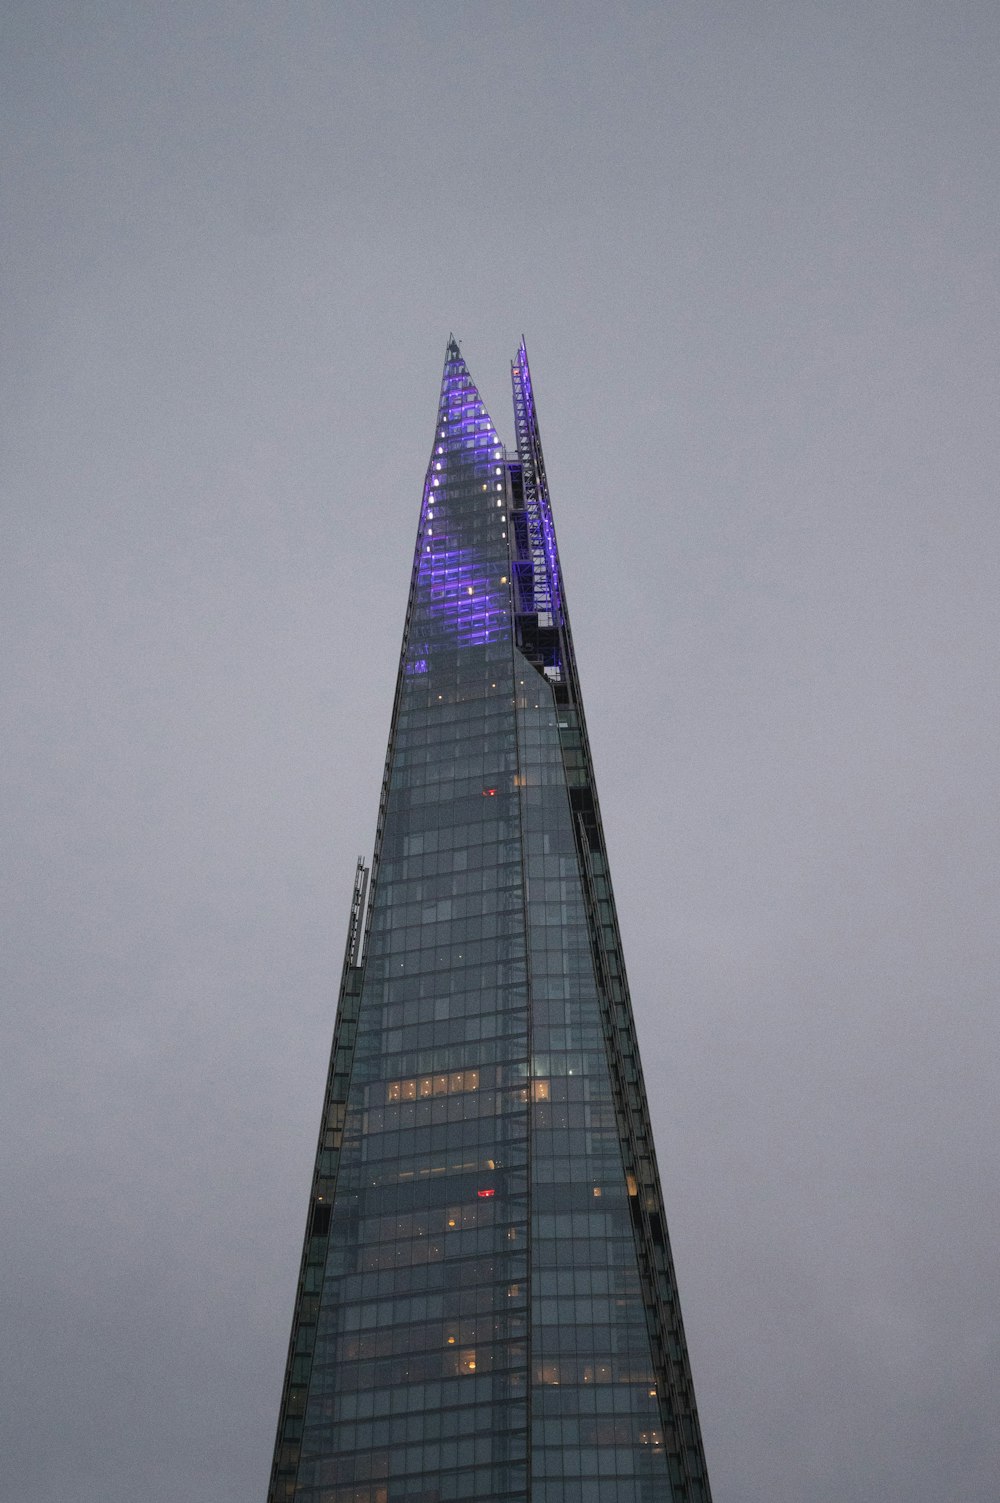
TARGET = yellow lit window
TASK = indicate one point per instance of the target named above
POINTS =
(432, 1085)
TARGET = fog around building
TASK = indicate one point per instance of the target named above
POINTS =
(753, 252)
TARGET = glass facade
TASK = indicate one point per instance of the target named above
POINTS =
(486, 1306)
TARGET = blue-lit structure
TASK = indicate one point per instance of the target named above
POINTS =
(486, 1305)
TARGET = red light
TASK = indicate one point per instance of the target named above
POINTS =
(485, 1194)
(489, 793)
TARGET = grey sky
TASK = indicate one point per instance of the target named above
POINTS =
(753, 248)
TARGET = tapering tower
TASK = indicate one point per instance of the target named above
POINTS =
(486, 1307)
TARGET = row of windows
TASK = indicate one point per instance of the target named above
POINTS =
(573, 1371)
(585, 1038)
(411, 927)
(465, 821)
(426, 785)
(422, 1309)
(424, 1460)
(583, 1252)
(477, 676)
(499, 1270)
(499, 1138)
(637, 1400)
(385, 1255)
(585, 1311)
(449, 1337)
(452, 1043)
(482, 1104)
(430, 1221)
(475, 710)
(505, 1393)
(442, 1082)
(457, 1353)
(434, 1113)
(426, 1367)
(624, 1342)
(498, 1017)
(484, 668)
(466, 975)
(554, 1013)
(418, 1087)
(435, 1007)
(425, 1142)
(446, 1424)
(487, 717)
(497, 853)
(417, 863)
(417, 950)
(481, 884)
(486, 1192)
(591, 1461)
(564, 1180)
(592, 1431)
(468, 755)
(496, 990)
(441, 998)
(428, 1042)
(607, 1490)
(467, 1486)
(485, 914)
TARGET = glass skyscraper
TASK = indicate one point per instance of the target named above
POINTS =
(486, 1307)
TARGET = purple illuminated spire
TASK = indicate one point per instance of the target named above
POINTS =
(546, 581)
(485, 1147)
(462, 591)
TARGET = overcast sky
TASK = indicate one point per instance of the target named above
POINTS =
(753, 249)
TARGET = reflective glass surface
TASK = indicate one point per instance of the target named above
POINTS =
(476, 1300)
(420, 1373)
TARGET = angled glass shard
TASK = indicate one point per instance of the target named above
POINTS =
(486, 1306)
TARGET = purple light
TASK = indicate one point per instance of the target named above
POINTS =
(463, 591)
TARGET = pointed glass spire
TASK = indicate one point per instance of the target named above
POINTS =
(486, 1307)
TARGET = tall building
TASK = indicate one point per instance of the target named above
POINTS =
(486, 1307)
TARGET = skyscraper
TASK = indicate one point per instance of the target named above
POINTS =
(486, 1306)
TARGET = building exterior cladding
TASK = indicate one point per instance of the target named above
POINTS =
(486, 1306)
